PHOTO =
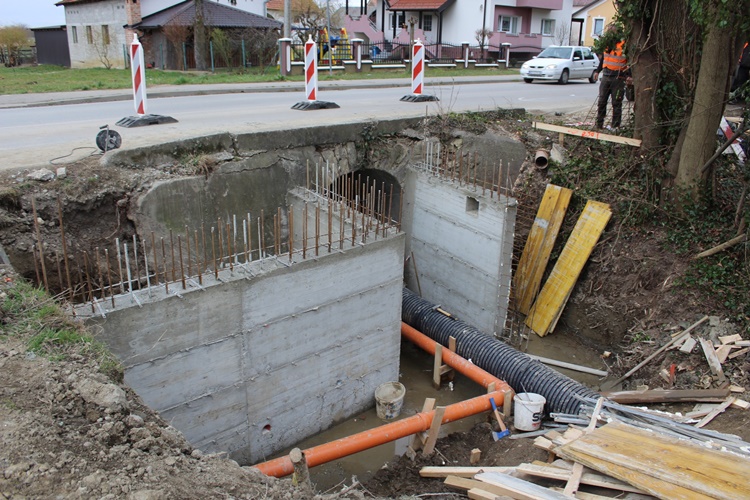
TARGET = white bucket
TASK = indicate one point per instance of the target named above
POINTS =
(389, 398)
(528, 410)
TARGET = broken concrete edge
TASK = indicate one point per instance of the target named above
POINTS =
(152, 156)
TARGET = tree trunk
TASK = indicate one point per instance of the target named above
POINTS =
(645, 70)
(707, 109)
(200, 39)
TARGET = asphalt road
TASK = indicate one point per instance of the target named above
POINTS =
(52, 129)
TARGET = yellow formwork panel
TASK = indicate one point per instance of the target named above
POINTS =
(545, 312)
(539, 244)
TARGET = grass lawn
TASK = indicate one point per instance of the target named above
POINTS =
(45, 78)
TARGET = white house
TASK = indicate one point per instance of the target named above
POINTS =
(528, 25)
(96, 28)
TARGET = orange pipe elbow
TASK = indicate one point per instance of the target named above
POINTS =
(420, 422)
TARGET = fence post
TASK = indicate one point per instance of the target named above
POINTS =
(465, 52)
(506, 46)
(357, 51)
(184, 56)
(211, 47)
(243, 54)
(285, 56)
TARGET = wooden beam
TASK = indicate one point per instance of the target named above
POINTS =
(569, 366)
(587, 478)
(588, 134)
(668, 396)
(719, 409)
(518, 488)
(437, 363)
(713, 360)
(418, 439)
(432, 435)
(437, 471)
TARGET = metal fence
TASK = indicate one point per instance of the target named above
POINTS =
(394, 53)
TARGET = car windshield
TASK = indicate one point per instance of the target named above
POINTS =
(556, 52)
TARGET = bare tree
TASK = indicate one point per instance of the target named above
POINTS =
(102, 44)
(562, 35)
(261, 46)
(482, 35)
(222, 45)
(177, 35)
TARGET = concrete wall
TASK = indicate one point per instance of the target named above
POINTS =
(462, 243)
(264, 358)
(94, 53)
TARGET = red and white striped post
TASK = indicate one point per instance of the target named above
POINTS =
(311, 70)
(417, 68)
(138, 69)
(311, 80)
(417, 76)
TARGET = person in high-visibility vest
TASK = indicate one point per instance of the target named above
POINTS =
(613, 66)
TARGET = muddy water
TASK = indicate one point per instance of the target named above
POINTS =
(416, 375)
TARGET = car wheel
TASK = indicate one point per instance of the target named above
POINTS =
(564, 77)
(528, 80)
(592, 78)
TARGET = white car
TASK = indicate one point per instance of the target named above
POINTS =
(561, 63)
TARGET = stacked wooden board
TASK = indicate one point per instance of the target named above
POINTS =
(618, 459)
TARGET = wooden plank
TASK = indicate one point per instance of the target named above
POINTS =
(722, 352)
(437, 471)
(588, 134)
(739, 353)
(741, 404)
(548, 306)
(687, 346)
(518, 488)
(729, 339)
(432, 435)
(418, 439)
(539, 244)
(471, 484)
(716, 411)
(713, 360)
(477, 494)
(663, 466)
(582, 495)
(543, 443)
(668, 396)
(569, 366)
(571, 487)
(588, 478)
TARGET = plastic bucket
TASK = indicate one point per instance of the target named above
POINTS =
(389, 398)
(528, 409)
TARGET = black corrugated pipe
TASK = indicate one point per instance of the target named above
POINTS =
(521, 372)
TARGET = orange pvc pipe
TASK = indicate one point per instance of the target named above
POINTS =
(420, 422)
(450, 358)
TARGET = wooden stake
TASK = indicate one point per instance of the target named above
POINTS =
(301, 475)
(476, 456)
(40, 246)
(432, 434)
(64, 247)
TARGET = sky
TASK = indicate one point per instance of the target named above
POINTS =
(32, 13)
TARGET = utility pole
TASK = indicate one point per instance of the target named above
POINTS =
(287, 18)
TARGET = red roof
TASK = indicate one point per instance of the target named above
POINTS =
(275, 5)
(68, 2)
(419, 4)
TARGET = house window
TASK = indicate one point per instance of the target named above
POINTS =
(74, 33)
(548, 27)
(89, 35)
(105, 34)
(598, 27)
(508, 24)
(401, 20)
(427, 23)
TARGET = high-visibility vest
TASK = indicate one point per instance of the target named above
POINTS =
(615, 59)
